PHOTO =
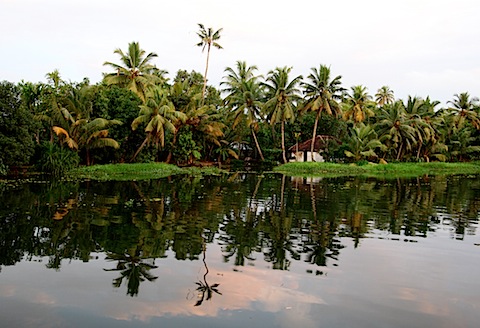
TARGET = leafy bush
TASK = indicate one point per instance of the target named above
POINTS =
(186, 148)
(17, 128)
(56, 160)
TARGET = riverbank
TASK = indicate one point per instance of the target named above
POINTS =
(136, 171)
(312, 169)
(146, 171)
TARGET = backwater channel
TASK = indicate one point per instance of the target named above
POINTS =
(242, 250)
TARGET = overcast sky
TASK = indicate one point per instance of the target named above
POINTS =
(417, 47)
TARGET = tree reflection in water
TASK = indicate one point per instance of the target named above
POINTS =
(205, 291)
(133, 268)
(264, 217)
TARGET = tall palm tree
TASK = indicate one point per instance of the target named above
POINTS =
(282, 97)
(358, 104)
(208, 38)
(136, 72)
(159, 114)
(463, 109)
(244, 97)
(384, 96)
(322, 94)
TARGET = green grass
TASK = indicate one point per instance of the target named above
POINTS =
(391, 170)
(146, 171)
(136, 171)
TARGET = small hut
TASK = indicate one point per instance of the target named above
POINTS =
(301, 152)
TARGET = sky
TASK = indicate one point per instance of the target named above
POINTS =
(416, 47)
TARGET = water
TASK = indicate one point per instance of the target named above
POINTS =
(241, 250)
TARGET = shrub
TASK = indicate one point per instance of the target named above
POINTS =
(56, 160)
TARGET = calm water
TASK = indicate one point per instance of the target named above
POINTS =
(242, 250)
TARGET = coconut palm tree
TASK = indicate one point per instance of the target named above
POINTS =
(244, 97)
(358, 105)
(321, 95)
(136, 72)
(159, 114)
(208, 38)
(394, 128)
(282, 96)
(78, 129)
(205, 121)
(384, 96)
(363, 142)
(423, 118)
(464, 109)
(460, 144)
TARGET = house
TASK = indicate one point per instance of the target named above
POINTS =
(300, 152)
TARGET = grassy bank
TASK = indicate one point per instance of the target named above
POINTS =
(145, 171)
(137, 171)
(377, 170)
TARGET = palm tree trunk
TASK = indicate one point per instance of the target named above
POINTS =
(170, 153)
(399, 151)
(88, 157)
(256, 144)
(418, 152)
(139, 149)
(283, 142)
(205, 76)
(314, 134)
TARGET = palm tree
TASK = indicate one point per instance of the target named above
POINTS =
(77, 128)
(464, 110)
(363, 142)
(54, 79)
(384, 96)
(159, 114)
(423, 118)
(358, 105)
(135, 71)
(204, 119)
(282, 96)
(460, 144)
(394, 127)
(208, 39)
(321, 95)
(243, 96)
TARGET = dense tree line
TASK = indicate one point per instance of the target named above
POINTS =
(137, 114)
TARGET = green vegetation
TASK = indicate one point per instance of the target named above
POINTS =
(312, 169)
(138, 115)
(137, 171)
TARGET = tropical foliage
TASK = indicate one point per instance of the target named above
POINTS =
(136, 114)
(282, 96)
(135, 71)
(321, 95)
